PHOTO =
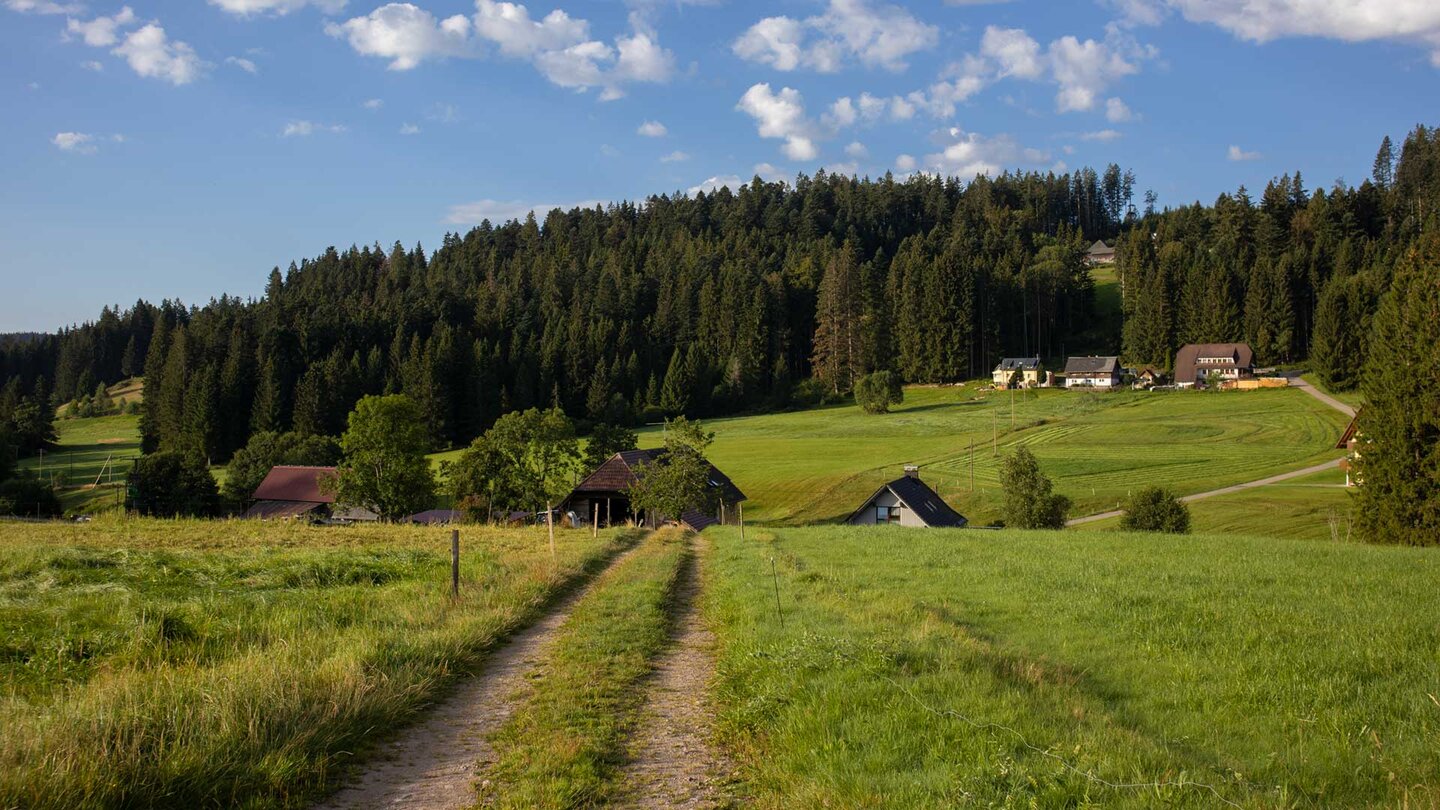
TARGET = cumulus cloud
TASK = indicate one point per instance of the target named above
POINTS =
(373, 104)
(652, 129)
(782, 115)
(301, 129)
(1082, 70)
(247, 8)
(719, 181)
(969, 154)
(876, 35)
(1411, 21)
(1013, 51)
(101, 32)
(78, 142)
(1117, 111)
(905, 163)
(152, 54)
(91, 64)
(557, 45)
(405, 34)
(242, 63)
(498, 212)
(675, 157)
(857, 150)
(1237, 154)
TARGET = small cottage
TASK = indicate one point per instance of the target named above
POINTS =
(605, 493)
(907, 501)
(1100, 253)
(292, 492)
(1149, 376)
(1092, 372)
(1027, 367)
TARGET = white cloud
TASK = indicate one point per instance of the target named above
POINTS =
(716, 183)
(1236, 153)
(1013, 51)
(875, 34)
(43, 7)
(849, 168)
(769, 172)
(1117, 111)
(782, 115)
(93, 65)
(1412, 21)
(857, 150)
(498, 212)
(78, 142)
(905, 163)
(101, 32)
(305, 128)
(152, 54)
(1104, 135)
(409, 129)
(246, 8)
(242, 63)
(373, 104)
(405, 34)
(970, 153)
(609, 151)
(652, 129)
(558, 45)
(1083, 70)
(675, 157)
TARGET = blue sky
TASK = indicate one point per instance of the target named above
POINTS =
(181, 149)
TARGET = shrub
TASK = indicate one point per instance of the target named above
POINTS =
(28, 495)
(170, 484)
(1156, 509)
(1029, 501)
(875, 393)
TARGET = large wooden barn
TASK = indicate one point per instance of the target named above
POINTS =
(606, 493)
(297, 492)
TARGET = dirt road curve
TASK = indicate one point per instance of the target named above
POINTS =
(672, 764)
(432, 764)
(1295, 382)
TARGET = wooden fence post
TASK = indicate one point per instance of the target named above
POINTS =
(594, 507)
(454, 562)
(741, 507)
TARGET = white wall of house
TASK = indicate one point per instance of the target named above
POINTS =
(876, 512)
(1076, 381)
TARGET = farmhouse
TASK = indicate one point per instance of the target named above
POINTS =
(1092, 372)
(1146, 376)
(1028, 367)
(1197, 362)
(1100, 253)
(907, 501)
(606, 493)
(289, 492)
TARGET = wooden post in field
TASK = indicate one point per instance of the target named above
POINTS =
(595, 532)
(741, 507)
(722, 513)
(550, 524)
(994, 434)
(454, 562)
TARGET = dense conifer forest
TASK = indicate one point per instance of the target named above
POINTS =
(725, 302)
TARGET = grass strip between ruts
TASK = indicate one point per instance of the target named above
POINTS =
(563, 747)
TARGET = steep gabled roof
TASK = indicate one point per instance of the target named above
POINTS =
(286, 483)
(1186, 359)
(1022, 363)
(1100, 248)
(922, 500)
(1351, 431)
(1092, 365)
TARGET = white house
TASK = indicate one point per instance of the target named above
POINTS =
(1092, 372)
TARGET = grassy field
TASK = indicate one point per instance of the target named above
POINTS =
(85, 446)
(1011, 669)
(191, 663)
(818, 465)
(1313, 507)
(562, 748)
(1352, 398)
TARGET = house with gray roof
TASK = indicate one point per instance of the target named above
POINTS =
(1027, 367)
(907, 501)
(1092, 372)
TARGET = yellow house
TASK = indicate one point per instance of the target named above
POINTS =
(1028, 368)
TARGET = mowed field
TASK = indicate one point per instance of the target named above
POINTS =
(819, 465)
(84, 448)
(887, 667)
(194, 663)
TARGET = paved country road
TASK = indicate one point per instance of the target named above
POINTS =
(1295, 382)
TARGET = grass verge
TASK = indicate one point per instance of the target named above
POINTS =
(927, 668)
(148, 663)
(563, 747)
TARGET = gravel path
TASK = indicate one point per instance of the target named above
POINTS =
(672, 764)
(433, 764)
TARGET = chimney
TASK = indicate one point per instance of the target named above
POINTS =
(912, 471)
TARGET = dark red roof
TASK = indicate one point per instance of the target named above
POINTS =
(295, 484)
(618, 473)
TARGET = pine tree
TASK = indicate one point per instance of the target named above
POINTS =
(1398, 464)
(1336, 349)
(839, 311)
(1383, 171)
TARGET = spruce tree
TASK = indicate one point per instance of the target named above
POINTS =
(1398, 462)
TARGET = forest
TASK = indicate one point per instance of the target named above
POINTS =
(725, 302)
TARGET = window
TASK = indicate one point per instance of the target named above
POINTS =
(887, 514)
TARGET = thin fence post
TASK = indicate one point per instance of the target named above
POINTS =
(454, 562)
(595, 532)
(741, 507)
(776, 577)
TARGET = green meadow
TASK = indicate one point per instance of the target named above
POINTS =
(204, 664)
(818, 465)
(886, 667)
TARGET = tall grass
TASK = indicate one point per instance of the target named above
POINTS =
(920, 668)
(201, 664)
(562, 748)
